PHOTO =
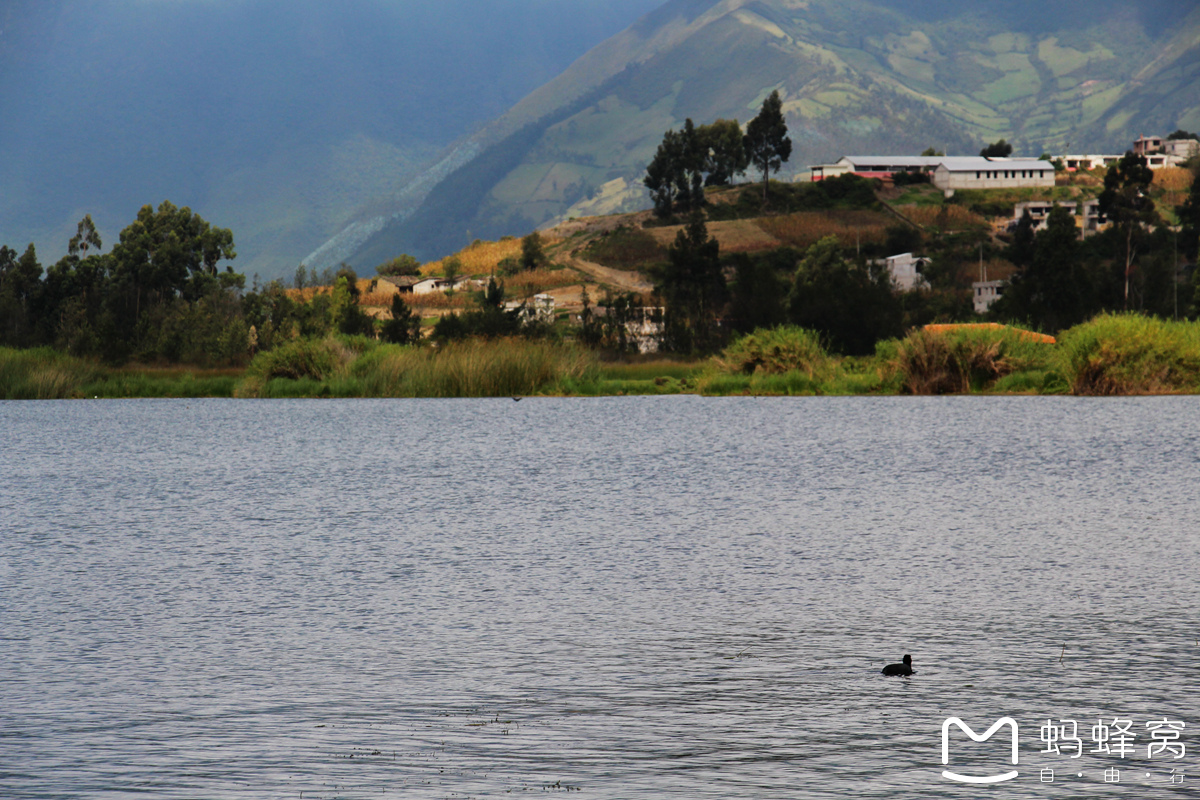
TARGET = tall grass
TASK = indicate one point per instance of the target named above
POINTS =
(45, 374)
(500, 368)
(966, 359)
(42, 374)
(1124, 354)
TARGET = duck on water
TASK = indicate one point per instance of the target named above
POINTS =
(900, 669)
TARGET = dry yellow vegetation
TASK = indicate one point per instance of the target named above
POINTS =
(806, 228)
(735, 236)
(482, 258)
(947, 217)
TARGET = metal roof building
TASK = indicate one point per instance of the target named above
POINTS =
(948, 173)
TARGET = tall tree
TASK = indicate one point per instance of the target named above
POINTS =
(725, 151)
(1050, 292)
(1189, 217)
(1126, 203)
(766, 141)
(532, 253)
(1000, 149)
(20, 295)
(693, 290)
(85, 238)
(405, 325)
(850, 303)
(675, 176)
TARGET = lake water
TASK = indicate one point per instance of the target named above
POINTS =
(647, 597)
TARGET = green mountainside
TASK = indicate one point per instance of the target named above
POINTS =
(890, 76)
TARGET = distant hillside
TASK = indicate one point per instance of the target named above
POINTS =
(284, 121)
(890, 76)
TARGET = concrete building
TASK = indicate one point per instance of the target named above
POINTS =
(1087, 214)
(1182, 148)
(1144, 145)
(985, 293)
(976, 172)
(1076, 162)
(948, 173)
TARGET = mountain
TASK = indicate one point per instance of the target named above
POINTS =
(283, 120)
(857, 76)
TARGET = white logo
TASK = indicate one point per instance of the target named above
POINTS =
(1000, 723)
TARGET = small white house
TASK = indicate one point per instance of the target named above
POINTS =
(1087, 161)
(905, 270)
(986, 293)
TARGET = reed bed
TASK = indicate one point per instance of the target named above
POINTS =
(805, 228)
(46, 374)
(43, 374)
(499, 368)
(1129, 354)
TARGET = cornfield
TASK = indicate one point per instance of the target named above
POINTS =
(1173, 179)
(948, 217)
(805, 228)
(482, 258)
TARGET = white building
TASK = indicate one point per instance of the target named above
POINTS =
(905, 270)
(1182, 148)
(1077, 162)
(986, 293)
(1087, 214)
(948, 173)
(977, 172)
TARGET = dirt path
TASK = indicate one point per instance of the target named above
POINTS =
(617, 278)
(590, 227)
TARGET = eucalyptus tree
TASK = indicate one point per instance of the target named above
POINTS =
(766, 142)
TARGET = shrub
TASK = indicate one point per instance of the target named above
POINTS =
(966, 358)
(774, 351)
(1121, 354)
(316, 359)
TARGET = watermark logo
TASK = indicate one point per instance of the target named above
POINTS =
(965, 728)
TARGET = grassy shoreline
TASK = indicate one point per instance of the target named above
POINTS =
(1111, 355)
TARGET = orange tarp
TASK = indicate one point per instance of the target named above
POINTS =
(1037, 337)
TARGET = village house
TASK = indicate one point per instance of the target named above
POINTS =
(905, 270)
(1160, 152)
(1078, 162)
(985, 293)
(1087, 214)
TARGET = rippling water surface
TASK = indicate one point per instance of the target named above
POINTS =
(632, 597)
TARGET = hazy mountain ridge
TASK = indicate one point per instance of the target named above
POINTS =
(892, 76)
(282, 121)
